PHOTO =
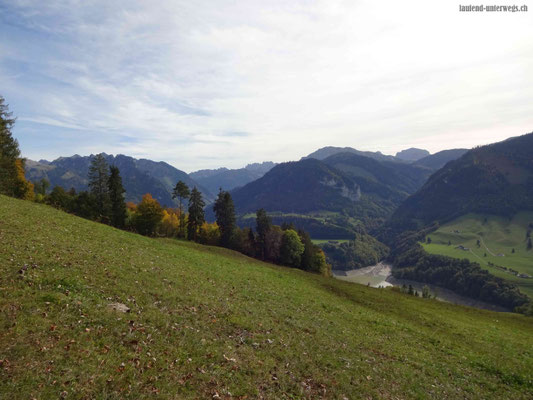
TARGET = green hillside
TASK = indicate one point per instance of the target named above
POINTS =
(498, 237)
(210, 323)
(496, 179)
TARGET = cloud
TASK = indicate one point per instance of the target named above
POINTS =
(190, 82)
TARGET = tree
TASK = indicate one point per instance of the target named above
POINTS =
(22, 189)
(240, 241)
(425, 292)
(196, 214)
(307, 255)
(428, 241)
(84, 205)
(181, 191)
(225, 215)
(273, 244)
(319, 264)
(147, 216)
(253, 242)
(291, 248)
(478, 243)
(209, 234)
(263, 225)
(12, 180)
(61, 199)
(99, 185)
(170, 224)
(9, 150)
(42, 186)
(116, 198)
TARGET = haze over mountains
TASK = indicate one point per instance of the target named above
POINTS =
(228, 179)
(139, 176)
(384, 180)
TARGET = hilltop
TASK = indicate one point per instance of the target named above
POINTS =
(328, 151)
(206, 322)
(412, 154)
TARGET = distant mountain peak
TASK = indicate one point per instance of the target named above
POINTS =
(412, 154)
(229, 179)
(328, 151)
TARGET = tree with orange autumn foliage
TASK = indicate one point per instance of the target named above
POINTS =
(22, 189)
(171, 223)
(147, 216)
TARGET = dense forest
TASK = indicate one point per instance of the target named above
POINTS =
(362, 251)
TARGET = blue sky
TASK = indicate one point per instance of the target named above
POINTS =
(204, 84)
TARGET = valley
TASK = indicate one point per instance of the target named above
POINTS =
(380, 276)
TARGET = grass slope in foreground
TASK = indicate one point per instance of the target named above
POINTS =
(206, 321)
(498, 236)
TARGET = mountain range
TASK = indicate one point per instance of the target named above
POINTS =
(139, 176)
(495, 179)
(378, 183)
(228, 179)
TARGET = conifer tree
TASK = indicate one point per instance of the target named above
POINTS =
(99, 185)
(263, 225)
(196, 214)
(116, 197)
(12, 180)
(181, 191)
(225, 213)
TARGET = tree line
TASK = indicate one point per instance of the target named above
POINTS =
(105, 203)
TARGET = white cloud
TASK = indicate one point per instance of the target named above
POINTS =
(179, 77)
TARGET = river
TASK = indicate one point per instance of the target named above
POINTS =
(380, 275)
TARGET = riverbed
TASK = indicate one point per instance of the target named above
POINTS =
(380, 275)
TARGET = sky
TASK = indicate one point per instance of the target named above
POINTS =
(205, 84)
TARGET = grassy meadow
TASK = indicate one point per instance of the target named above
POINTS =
(498, 237)
(210, 323)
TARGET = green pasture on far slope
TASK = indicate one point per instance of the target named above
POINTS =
(498, 236)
